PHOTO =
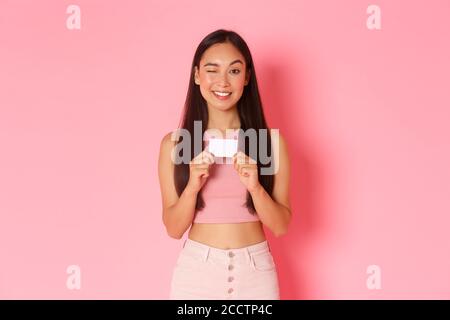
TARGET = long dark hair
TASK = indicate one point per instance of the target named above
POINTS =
(249, 108)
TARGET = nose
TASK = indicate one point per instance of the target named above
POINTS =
(223, 80)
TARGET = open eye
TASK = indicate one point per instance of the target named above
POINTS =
(238, 71)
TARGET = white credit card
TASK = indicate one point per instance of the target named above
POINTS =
(223, 147)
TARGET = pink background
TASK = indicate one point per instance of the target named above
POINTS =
(365, 113)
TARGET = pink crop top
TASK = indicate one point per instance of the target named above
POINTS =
(223, 192)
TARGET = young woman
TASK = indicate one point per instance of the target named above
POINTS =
(224, 203)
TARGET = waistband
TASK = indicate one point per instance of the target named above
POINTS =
(207, 251)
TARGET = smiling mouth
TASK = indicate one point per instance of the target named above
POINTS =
(221, 94)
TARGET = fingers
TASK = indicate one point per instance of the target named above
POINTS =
(245, 171)
(243, 163)
(203, 157)
(203, 172)
(200, 170)
(242, 169)
(238, 159)
(202, 166)
(241, 158)
(209, 156)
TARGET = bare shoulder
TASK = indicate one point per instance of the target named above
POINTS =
(278, 141)
(167, 140)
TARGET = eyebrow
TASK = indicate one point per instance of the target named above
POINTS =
(216, 65)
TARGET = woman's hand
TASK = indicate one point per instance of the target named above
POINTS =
(247, 169)
(199, 170)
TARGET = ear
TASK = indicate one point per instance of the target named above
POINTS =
(247, 77)
(196, 77)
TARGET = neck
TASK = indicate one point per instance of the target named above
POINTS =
(223, 119)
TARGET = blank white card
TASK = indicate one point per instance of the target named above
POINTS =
(223, 147)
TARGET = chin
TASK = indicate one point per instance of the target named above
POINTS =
(223, 108)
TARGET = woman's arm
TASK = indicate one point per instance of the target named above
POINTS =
(178, 212)
(275, 212)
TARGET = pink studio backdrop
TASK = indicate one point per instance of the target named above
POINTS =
(365, 113)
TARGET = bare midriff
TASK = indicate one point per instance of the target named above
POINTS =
(227, 235)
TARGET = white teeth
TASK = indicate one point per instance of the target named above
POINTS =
(222, 94)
